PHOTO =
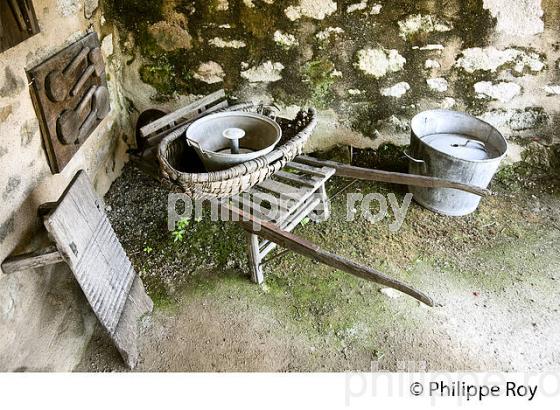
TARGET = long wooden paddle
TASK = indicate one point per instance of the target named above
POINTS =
(304, 247)
(350, 171)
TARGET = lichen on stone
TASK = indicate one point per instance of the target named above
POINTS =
(320, 75)
(11, 85)
(28, 131)
(89, 7)
(437, 84)
(210, 72)
(267, 72)
(429, 47)
(11, 186)
(314, 9)
(285, 40)
(326, 33)
(447, 103)
(378, 62)
(552, 89)
(422, 23)
(356, 6)
(491, 58)
(338, 56)
(430, 64)
(516, 119)
(375, 9)
(6, 228)
(221, 43)
(517, 18)
(221, 5)
(107, 45)
(170, 35)
(397, 90)
(503, 91)
(160, 74)
(68, 8)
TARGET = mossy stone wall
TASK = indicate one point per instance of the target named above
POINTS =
(368, 65)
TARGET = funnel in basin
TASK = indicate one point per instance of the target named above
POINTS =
(215, 136)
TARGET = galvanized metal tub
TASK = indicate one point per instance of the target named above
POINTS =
(457, 147)
(206, 136)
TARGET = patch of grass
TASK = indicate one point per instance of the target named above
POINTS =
(180, 230)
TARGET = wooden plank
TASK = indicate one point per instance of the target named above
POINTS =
(306, 248)
(18, 15)
(137, 305)
(305, 180)
(31, 17)
(293, 200)
(268, 197)
(255, 258)
(350, 171)
(288, 225)
(155, 139)
(323, 172)
(17, 23)
(181, 112)
(32, 260)
(251, 207)
(90, 247)
(281, 188)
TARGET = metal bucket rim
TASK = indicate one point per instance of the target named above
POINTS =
(445, 154)
(242, 114)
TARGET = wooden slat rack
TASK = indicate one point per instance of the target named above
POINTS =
(294, 194)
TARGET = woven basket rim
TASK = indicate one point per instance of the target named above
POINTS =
(241, 169)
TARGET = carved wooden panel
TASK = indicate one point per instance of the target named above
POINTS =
(70, 95)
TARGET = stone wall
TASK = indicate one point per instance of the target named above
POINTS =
(369, 65)
(45, 322)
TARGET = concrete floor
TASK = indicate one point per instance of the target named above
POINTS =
(495, 275)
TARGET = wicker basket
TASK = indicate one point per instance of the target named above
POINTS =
(234, 180)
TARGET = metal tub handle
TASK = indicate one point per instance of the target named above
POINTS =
(418, 161)
(195, 144)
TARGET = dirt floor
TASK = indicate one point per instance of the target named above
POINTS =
(495, 275)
